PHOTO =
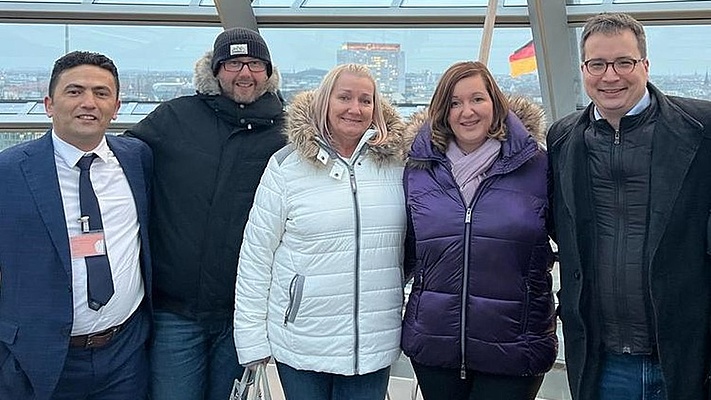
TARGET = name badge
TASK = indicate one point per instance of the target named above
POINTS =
(88, 244)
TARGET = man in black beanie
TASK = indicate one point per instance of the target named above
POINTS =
(210, 151)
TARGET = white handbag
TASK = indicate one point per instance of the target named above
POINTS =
(254, 385)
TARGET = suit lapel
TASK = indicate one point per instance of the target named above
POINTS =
(573, 169)
(41, 176)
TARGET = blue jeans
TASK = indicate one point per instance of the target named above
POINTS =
(192, 360)
(309, 385)
(631, 377)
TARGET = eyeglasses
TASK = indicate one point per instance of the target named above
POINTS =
(621, 66)
(236, 65)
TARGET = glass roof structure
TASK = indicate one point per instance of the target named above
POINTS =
(553, 44)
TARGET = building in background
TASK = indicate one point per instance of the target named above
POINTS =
(385, 60)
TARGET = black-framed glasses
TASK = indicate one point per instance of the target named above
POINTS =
(236, 65)
(621, 66)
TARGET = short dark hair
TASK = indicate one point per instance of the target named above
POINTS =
(442, 98)
(612, 24)
(78, 58)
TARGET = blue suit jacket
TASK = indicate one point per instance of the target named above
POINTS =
(35, 263)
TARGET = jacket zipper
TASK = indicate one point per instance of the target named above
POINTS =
(296, 287)
(356, 288)
(465, 292)
(619, 260)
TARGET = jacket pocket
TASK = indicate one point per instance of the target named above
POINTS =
(296, 292)
(526, 308)
(419, 284)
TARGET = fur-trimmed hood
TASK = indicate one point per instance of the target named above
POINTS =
(531, 115)
(206, 83)
(302, 134)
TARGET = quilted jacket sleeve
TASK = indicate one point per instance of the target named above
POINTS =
(262, 235)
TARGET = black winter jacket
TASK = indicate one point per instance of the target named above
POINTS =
(678, 262)
(210, 153)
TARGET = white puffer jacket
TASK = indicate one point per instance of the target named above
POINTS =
(319, 283)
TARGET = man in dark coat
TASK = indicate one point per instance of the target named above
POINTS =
(631, 197)
(210, 152)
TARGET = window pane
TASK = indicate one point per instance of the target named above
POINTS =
(272, 3)
(40, 1)
(445, 3)
(8, 139)
(347, 3)
(146, 2)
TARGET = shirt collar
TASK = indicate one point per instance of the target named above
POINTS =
(643, 103)
(70, 154)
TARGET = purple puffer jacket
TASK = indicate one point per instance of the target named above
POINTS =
(482, 294)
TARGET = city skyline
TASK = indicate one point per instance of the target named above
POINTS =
(177, 48)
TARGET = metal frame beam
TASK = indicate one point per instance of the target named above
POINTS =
(554, 57)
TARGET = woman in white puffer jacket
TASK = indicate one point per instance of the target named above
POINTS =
(319, 283)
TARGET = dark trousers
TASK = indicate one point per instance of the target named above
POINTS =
(445, 384)
(116, 371)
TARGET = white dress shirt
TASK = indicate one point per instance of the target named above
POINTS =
(121, 234)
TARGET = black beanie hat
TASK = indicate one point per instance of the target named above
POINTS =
(237, 42)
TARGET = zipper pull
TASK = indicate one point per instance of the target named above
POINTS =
(353, 181)
(617, 136)
(463, 371)
(468, 218)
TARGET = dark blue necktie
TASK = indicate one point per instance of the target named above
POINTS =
(100, 285)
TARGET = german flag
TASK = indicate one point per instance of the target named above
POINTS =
(523, 60)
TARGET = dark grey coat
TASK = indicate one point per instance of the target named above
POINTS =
(677, 246)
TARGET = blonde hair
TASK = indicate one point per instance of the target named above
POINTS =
(441, 102)
(319, 104)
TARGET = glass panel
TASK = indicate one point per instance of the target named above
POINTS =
(8, 139)
(146, 2)
(40, 1)
(581, 2)
(347, 3)
(149, 59)
(144, 108)
(207, 3)
(656, 1)
(444, 3)
(407, 62)
(38, 109)
(14, 108)
(510, 3)
(272, 3)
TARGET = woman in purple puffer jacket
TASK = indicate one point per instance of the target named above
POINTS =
(480, 320)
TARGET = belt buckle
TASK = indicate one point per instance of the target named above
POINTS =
(100, 339)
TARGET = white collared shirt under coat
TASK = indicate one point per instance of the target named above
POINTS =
(121, 234)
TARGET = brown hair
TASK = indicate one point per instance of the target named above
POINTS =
(441, 102)
(613, 24)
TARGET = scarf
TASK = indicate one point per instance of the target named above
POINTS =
(470, 169)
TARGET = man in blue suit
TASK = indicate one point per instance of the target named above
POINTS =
(74, 258)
